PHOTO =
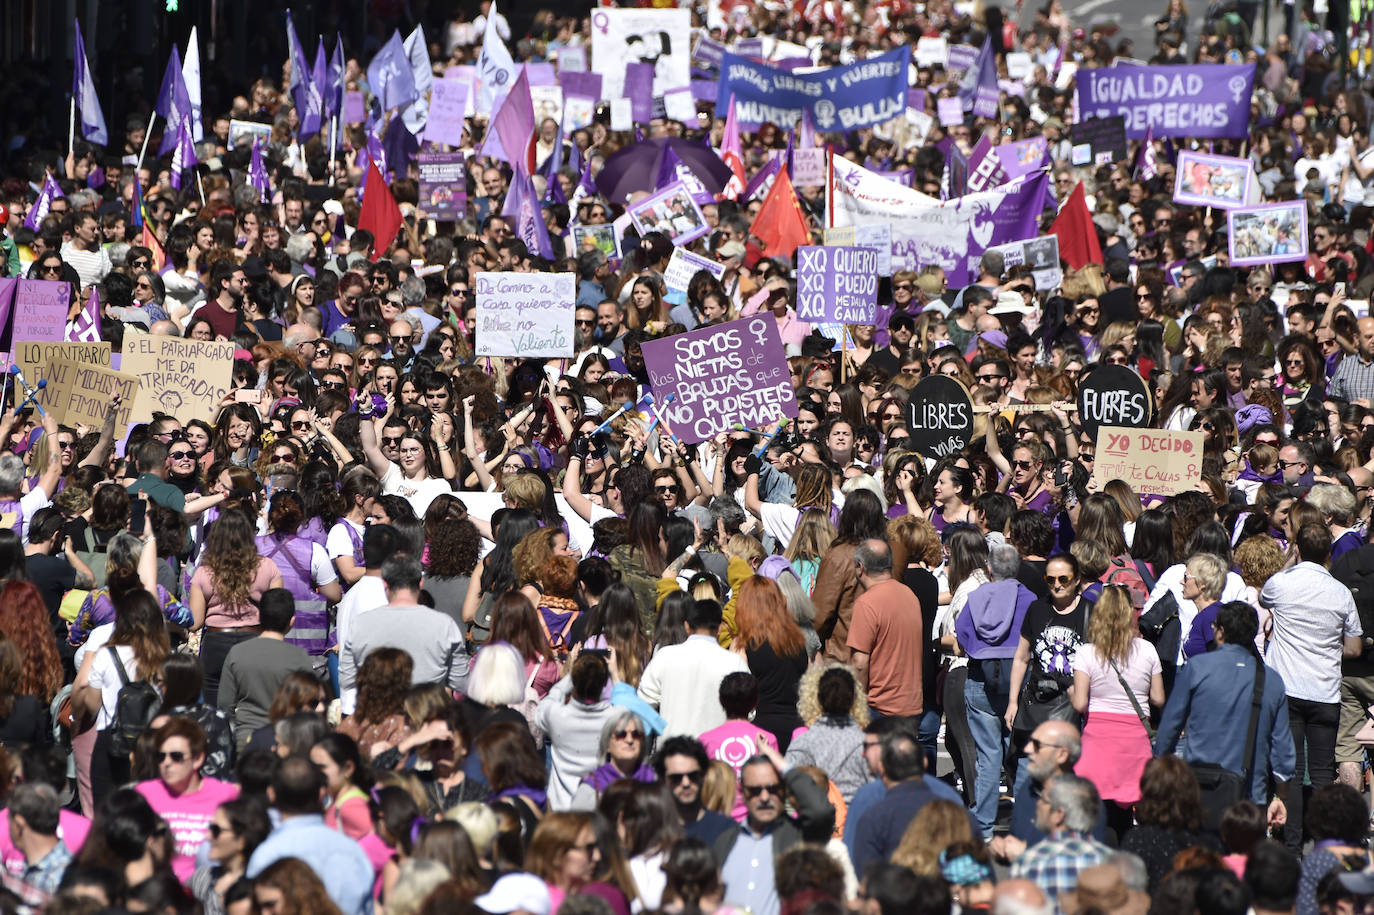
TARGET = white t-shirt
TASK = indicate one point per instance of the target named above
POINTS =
(1105, 693)
(419, 493)
(105, 678)
(367, 593)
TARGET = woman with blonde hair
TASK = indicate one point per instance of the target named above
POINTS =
(1115, 673)
(720, 787)
(938, 825)
(834, 708)
(773, 643)
(814, 534)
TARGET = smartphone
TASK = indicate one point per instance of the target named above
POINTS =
(247, 395)
(1062, 474)
(1339, 288)
(138, 515)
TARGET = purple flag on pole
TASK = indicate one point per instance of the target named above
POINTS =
(1206, 101)
(46, 195)
(313, 88)
(639, 89)
(389, 74)
(173, 102)
(85, 327)
(762, 182)
(83, 90)
(401, 146)
(1148, 165)
(985, 167)
(526, 217)
(257, 173)
(184, 154)
(978, 90)
(334, 81)
(512, 127)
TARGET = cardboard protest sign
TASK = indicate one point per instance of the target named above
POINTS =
(443, 186)
(808, 167)
(1272, 234)
(81, 393)
(940, 416)
(683, 265)
(525, 314)
(40, 310)
(1157, 462)
(719, 376)
(1113, 395)
(184, 378)
(837, 283)
(1104, 137)
(33, 356)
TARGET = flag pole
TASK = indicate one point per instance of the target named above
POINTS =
(71, 128)
(333, 143)
(148, 132)
(201, 185)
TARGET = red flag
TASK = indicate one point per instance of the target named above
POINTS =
(380, 216)
(1077, 234)
(781, 225)
(732, 155)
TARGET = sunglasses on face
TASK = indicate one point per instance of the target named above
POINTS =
(217, 830)
(175, 756)
(389, 440)
(628, 735)
(694, 777)
(755, 791)
(665, 489)
(300, 424)
(1022, 465)
(1058, 579)
(181, 455)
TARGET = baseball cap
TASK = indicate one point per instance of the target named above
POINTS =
(516, 893)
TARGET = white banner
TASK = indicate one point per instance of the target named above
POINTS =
(626, 36)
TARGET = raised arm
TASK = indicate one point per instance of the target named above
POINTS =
(53, 472)
(101, 452)
(572, 479)
(367, 433)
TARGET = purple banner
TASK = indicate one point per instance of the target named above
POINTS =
(582, 85)
(837, 284)
(639, 89)
(443, 188)
(706, 57)
(541, 74)
(719, 376)
(1204, 100)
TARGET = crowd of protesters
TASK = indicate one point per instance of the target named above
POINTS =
(405, 629)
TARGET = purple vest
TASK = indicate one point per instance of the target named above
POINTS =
(292, 556)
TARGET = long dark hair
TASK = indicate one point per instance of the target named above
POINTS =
(861, 519)
(499, 574)
(646, 526)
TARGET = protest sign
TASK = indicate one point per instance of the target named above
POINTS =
(82, 393)
(33, 356)
(582, 85)
(808, 167)
(940, 416)
(678, 105)
(448, 105)
(683, 265)
(622, 114)
(184, 378)
(578, 112)
(837, 283)
(706, 57)
(1157, 462)
(1105, 138)
(719, 376)
(1272, 234)
(1195, 101)
(244, 132)
(443, 186)
(595, 238)
(1113, 395)
(40, 310)
(1212, 181)
(1041, 254)
(354, 108)
(659, 37)
(1022, 157)
(959, 59)
(1019, 65)
(952, 233)
(671, 211)
(931, 51)
(572, 58)
(874, 235)
(950, 111)
(525, 314)
(840, 98)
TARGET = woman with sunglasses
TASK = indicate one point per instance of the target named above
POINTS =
(1042, 671)
(181, 794)
(564, 853)
(624, 747)
(237, 828)
(149, 293)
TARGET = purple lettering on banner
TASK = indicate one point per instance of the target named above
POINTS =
(582, 85)
(40, 310)
(447, 107)
(837, 284)
(639, 89)
(354, 110)
(443, 187)
(719, 376)
(1203, 100)
(749, 47)
(903, 176)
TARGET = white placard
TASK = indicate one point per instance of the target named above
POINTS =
(683, 265)
(679, 105)
(918, 125)
(808, 167)
(548, 103)
(578, 112)
(572, 59)
(1019, 65)
(525, 314)
(660, 37)
(932, 51)
(622, 114)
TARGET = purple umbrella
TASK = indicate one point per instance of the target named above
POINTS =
(636, 167)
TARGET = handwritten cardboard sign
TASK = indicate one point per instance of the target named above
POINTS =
(837, 283)
(40, 310)
(525, 314)
(82, 393)
(184, 378)
(33, 356)
(721, 375)
(1158, 462)
(1113, 395)
(940, 416)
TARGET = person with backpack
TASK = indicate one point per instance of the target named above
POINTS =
(115, 683)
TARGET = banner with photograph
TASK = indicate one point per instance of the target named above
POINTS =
(671, 211)
(1224, 182)
(1272, 234)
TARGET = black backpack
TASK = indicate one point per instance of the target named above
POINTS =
(1355, 572)
(135, 708)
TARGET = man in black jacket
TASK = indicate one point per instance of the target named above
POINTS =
(747, 852)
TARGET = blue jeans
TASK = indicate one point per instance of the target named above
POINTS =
(982, 696)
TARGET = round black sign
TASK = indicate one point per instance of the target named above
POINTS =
(1113, 395)
(940, 414)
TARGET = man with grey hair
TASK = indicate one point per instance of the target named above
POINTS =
(300, 247)
(989, 635)
(302, 338)
(1020, 897)
(885, 639)
(34, 810)
(1067, 812)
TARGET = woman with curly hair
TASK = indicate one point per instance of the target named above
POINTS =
(452, 549)
(559, 607)
(226, 589)
(290, 887)
(775, 647)
(379, 719)
(24, 620)
(833, 706)
(1168, 816)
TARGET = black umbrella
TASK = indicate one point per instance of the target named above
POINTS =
(636, 167)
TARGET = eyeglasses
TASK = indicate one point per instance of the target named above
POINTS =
(50, 268)
(458, 290)
(1298, 362)
(175, 756)
(399, 338)
(754, 791)
(991, 377)
(300, 424)
(1086, 456)
(1284, 465)
(583, 322)
(333, 385)
(898, 287)
(286, 458)
(695, 777)
(143, 284)
(1037, 745)
(1058, 579)
(217, 830)
(66, 446)
(1087, 311)
(1022, 465)
(665, 489)
(181, 455)
(628, 735)
(141, 264)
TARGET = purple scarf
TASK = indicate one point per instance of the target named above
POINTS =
(603, 776)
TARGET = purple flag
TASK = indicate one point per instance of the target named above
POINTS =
(334, 81)
(257, 173)
(401, 146)
(46, 195)
(586, 186)
(1147, 164)
(639, 89)
(807, 139)
(978, 89)
(554, 162)
(184, 154)
(574, 155)
(95, 178)
(762, 182)
(389, 74)
(984, 167)
(375, 151)
(313, 86)
(511, 128)
(1206, 101)
(173, 102)
(83, 90)
(526, 217)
